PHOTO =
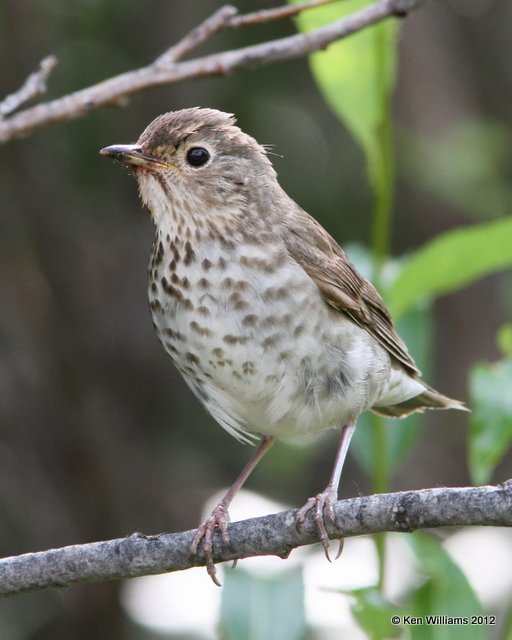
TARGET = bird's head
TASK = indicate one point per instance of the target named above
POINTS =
(195, 160)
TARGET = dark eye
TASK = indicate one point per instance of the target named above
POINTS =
(197, 156)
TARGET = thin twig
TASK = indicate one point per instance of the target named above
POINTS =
(266, 15)
(226, 18)
(276, 534)
(115, 91)
(216, 22)
(33, 86)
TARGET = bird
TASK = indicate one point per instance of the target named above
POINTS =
(271, 326)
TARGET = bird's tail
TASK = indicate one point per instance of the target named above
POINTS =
(428, 399)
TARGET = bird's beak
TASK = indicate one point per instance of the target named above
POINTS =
(131, 154)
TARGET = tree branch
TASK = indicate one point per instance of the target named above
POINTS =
(33, 86)
(165, 69)
(139, 555)
(219, 20)
(265, 15)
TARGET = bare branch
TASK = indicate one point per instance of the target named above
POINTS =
(265, 15)
(226, 18)
(33, 86)
(115, 91)
(216, 22)
(276, 534)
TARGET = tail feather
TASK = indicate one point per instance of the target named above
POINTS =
(428, 399)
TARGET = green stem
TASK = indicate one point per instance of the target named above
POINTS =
(380, 485)
(381, 466)
(506, 627)
(382, 177)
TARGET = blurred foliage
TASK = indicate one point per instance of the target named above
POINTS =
(374, 614)
(504, 339)
(450, 261)
(263, 608)
(444, 592)
(490, 388)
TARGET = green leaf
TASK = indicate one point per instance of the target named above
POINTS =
(355, 75)
(256, 608)
(445, 592)
(450, 261)
(374, 614)
(491, 420)
(504, 339)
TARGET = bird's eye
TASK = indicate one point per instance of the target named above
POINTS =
(197, 156)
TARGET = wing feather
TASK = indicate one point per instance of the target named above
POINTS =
(342, 286)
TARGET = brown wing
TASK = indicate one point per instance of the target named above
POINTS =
(342, 286)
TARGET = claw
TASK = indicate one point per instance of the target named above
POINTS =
(323, 511)
(218, 518)
(341, 544)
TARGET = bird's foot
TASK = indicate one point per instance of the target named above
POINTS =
(323, 511)
(218, 518)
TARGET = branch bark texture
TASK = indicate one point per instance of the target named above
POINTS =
(138, 554)
(167, 70)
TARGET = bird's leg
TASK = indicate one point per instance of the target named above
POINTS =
(220, 516)
(322, 503)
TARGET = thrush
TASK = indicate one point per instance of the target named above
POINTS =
(269, 323)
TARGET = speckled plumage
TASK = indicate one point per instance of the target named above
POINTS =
(269, 323)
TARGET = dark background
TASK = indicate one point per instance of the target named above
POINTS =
(99, 436)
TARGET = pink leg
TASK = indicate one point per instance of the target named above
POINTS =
(220, 516)
(322, 503)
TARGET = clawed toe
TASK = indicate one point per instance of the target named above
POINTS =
(219, 518)
(323, 511)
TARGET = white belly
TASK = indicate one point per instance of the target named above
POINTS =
(260, 347)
